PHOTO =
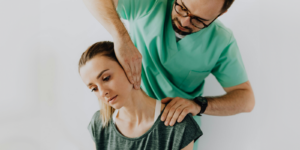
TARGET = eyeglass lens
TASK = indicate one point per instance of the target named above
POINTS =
(183, 13)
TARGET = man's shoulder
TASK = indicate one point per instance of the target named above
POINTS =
(220, 26)
(133, 10)
(221, 30)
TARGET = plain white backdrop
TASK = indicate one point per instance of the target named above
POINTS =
(44, 105)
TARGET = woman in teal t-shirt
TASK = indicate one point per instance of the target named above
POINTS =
(128, 118)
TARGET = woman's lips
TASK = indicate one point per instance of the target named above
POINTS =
(113, 99)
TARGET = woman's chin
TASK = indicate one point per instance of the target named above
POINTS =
(116, 106)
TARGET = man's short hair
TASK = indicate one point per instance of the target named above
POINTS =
(226, 5)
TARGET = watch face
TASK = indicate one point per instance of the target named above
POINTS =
(202, 99)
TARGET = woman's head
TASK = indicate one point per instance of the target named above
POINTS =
(103, 75)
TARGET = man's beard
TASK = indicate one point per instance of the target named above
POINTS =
(178, 30)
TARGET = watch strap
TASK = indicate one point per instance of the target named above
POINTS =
(202, 102)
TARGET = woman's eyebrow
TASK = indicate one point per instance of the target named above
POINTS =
(194, 15)
(99, 75)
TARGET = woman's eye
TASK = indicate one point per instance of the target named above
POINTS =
(93, 90)
(106, 79)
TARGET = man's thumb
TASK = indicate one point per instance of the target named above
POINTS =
(165, 100)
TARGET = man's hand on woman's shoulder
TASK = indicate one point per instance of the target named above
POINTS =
(177, 109)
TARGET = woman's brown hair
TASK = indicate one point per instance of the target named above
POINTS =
(104, 48)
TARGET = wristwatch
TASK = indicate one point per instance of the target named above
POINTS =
(202, 102)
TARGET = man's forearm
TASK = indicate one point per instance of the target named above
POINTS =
(105, 12)
(232, 103)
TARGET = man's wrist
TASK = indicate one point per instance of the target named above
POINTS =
(122, 38)
(121, 35)
(202, 102)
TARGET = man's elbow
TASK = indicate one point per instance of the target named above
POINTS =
(250, 105)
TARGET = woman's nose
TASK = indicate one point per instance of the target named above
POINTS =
(103, 92)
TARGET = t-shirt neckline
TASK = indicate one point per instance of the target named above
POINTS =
(142, 136)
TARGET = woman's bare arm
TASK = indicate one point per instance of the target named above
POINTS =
(189, 147)
(95, 146)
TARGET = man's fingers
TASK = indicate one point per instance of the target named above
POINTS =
(165, 100)
(135, 66)
(176, 115)
(167, 107)
(184, 112)
(139, 72)
(169, 117)
(128, 72)
(173, 109)
(133, 71)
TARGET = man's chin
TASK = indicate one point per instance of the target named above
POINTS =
(180, 31)
(175, 28)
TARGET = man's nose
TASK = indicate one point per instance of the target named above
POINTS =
(185, 21)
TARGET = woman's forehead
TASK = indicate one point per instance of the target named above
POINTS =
(95, 65)
(101, 61)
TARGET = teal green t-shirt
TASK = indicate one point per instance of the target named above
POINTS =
(178, 69)
(158, 137)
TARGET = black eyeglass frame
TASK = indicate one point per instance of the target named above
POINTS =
(188, 14)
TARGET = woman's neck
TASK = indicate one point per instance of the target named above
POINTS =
(139, 109)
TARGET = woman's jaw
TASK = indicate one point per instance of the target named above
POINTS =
(134, 100)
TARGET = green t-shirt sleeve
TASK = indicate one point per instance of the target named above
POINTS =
(230, 70)
(93, 125)
(134, 9)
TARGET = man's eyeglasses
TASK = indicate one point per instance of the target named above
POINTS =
(195, 21)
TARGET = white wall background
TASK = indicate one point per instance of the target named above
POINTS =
(45, 106)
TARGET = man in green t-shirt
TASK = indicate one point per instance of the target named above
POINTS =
(181, 42)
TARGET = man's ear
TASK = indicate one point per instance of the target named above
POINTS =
(223, 13)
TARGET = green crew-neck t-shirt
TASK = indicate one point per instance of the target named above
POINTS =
(158, 137)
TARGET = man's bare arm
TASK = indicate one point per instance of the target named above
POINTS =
(238, 99)
(105, 12)
(127, 54)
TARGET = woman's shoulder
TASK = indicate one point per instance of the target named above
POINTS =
(182, 133)
(96, 117)
(96, 129)
(189, 119)
(96, 122)
(188, 123)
